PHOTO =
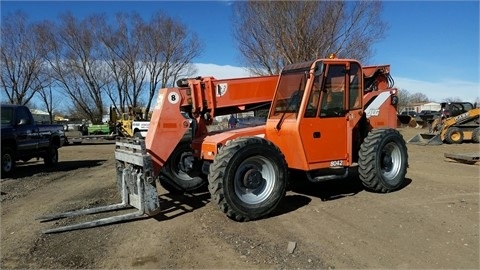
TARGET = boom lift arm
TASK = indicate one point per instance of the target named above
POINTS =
(202, 99)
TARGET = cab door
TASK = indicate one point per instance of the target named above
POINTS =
(26, 131)
(323, 128)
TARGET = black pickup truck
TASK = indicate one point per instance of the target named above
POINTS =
(23, 140)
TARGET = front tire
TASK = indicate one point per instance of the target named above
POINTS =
(247, 178)
(8, 161)
(51, 156)
(476, 135)
(383, 160)
(454, 135)
(175, 176)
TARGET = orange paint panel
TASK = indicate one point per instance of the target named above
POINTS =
(231, 95)
(204, 147)
(289, 142)
(167, 126)
(380, 112)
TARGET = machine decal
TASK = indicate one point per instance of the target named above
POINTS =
(336, 163)
(461, 116)
(173, 98)
(221, 89)
(373, 112)
(374, 108)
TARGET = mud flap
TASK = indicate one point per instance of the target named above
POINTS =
(426, 139)
(136, 184)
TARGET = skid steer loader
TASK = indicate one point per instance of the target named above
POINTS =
(453, 130)
(325, 117)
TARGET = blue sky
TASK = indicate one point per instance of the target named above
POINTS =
(432, 46)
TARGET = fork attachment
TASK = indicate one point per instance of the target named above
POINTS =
(136, 184)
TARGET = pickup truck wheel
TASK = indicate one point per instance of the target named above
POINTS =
(248, 178)
(383, 160)
(51, 156)
(8, 161)
(180, 172)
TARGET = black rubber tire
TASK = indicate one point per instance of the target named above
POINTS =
(454, 135)
(50, 158)
(8, 161)
(176, 180)
(383, 160)
(476, 135)
(242, 160)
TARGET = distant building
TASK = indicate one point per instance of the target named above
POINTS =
(418, 107)
(432, 106)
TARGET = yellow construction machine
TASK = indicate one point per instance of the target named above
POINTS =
(132, 124)
(453, 130)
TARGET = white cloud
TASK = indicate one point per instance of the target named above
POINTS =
(221, 72)
(438, 91)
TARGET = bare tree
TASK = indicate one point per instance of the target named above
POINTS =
(272, 34)
(452, 99)
(21, 59)
(90, 60)
(46, 96)
(419, 98)
(168, 49)
(123, 55)
(404, 98)
(76, 63)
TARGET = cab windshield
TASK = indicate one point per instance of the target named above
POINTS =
(290, 91)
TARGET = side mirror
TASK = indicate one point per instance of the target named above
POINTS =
(318, 69)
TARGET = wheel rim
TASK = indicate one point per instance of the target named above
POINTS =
(254, 180)
(7, 163)
(180, 162)
(455, 136)
(391, 161)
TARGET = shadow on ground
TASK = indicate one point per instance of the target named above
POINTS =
(27, 169)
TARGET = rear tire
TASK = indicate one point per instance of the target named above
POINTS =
(248, 178)
(476, 135)
(177, 179)
(383, 160)
(454, 135)
(51, 156)
(8, 161)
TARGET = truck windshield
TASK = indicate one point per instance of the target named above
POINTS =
(290, 92)
(7, 116)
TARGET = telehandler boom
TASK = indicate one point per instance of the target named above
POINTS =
(326, 116)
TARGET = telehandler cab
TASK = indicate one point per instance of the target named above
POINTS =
(325, 117)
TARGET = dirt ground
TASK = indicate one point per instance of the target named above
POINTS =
(433, 222)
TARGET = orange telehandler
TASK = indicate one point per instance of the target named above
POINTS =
(326, 116)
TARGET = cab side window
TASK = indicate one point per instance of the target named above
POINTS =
(314, 98)
(333, 96)
(22, 113)
(355, 94)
